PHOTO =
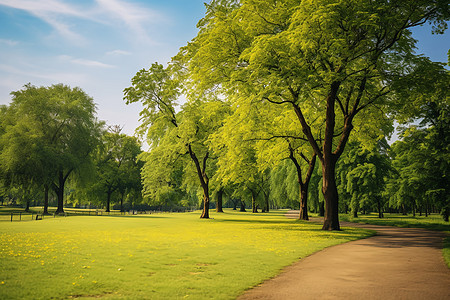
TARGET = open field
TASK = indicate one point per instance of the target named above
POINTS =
(164, 256)
(432, 222)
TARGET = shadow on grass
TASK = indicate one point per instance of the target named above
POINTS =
(397, 221)
(138, 216)
(295, 225)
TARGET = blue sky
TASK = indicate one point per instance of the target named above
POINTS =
(99, 45)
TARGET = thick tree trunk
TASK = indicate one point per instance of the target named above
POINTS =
(60, 193)
(330, 194)
(205, 212)
(27, 206)
(327, 156)
(219, 201)
(254, 207)
(242, 206)
(355, 213)
(46, 191)
(108, 201)
(303, 203)
(380, 209)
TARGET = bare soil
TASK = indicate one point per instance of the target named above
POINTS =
(397, 263)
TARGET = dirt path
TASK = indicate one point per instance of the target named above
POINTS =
(397, 263)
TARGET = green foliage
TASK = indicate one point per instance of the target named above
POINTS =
(48, 134)
(362, 175)
(422, 170)
(329, 62)
(117, 170)
(174, 137)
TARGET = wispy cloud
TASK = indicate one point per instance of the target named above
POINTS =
(28, 74)
(118, 53)
(52, 12)
(8, 42)
(85, 62)
(133, 16)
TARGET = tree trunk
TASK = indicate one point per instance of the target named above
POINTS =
(254, 207)
(242, 206)
(266, 198)
(108, 200)
(121, 202)
(355, 213)
(303, 184)
(204, 180)
(219, 201)
(446, 213)
(234, 204)
(380, 209)
(60, 193)
(303, 203)
(27, 206)
(330, 194)
(46, 191)
(205, 212)
(321, 208)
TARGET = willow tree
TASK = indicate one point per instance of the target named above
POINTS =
(50, 136)
(333, 56)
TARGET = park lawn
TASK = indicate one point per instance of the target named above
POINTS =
(163, 256)
(432, 222)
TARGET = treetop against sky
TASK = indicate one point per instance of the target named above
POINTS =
(99, 45)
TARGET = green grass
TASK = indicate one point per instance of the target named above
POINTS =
(432, 222)
(163, 256)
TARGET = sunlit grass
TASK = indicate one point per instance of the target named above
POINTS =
(164, 256)
(431, 222)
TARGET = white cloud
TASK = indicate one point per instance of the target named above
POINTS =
(118, 52)
(85, 62)
(134, 16)
(91, 63)
(26, 75)
(43, 7)
(51, 12)
(56, 12)
(9, 42)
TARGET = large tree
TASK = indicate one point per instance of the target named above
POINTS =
(49, 136)
(331, 56)
(177, 134)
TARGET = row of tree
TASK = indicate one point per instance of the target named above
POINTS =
(268, 80)
(50, 136)
(269, 103)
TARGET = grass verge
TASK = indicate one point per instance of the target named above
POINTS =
(432, 222)
(164, 256)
